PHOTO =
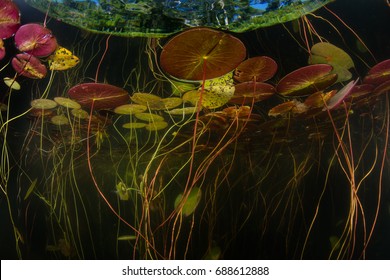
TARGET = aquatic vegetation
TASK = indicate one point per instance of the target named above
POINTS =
(200, 145)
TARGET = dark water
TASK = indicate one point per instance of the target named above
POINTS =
(260, 194)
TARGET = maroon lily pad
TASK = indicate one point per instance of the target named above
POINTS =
(378, 74)
(306, 80)
(99, 96)
(340, 96)
(360, 91)
(2, 49)
(249, 92)
(35, 39)
(201, 53)
(257, 69)
(9, 19)
(29, 66)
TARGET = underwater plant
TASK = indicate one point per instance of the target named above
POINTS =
(205, 144)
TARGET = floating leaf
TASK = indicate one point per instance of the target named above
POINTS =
(43, 104)
(256, 69)
(201, 54)
(212, 97)
(149, 117)
(59, 120)
(250, 92)
(67, 102)
(306, 80)
(29, 66)
(378, 74)
(100, 96)
(340, 96)
(130, 109)
(35, 39)
(62, 59)
(12, 83)
(9, 18)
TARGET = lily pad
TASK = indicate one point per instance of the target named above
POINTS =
(149, 117)
(306, 80)
(59, 120)
(43, 104)
(62, 59)
(201, 54)
(98, 95)
(34, 39)
(10, 18)
(157, 125)
(29, 66)
(79, 113)
(256, 69)
(67, 102)
(340, 96)
(378, 74)
(212, 97)
(250, 92)
(134, 125)
(11, 83)
(130, 109)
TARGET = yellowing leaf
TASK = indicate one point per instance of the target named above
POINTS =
(62, 59)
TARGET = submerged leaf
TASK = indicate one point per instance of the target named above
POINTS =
(31, 188)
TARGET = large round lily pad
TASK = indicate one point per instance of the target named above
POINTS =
(378, 74)
(201, 54)
(98, 95)
(29, 66)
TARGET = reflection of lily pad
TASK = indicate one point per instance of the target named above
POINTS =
(201, 53)
(257, 69)
(306, 80)
(190, 203)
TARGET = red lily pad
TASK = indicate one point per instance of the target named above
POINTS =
(306, 80)
(201, 53)
(9, 19)
(99, 96)
(35, 39)
(29, 66)
(361, 91)
(250, 92)
(257, 69)
(378, 74)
